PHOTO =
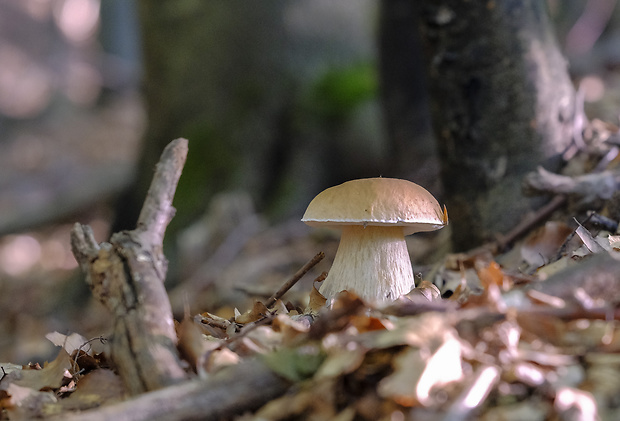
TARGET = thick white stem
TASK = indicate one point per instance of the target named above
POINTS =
(371, 261)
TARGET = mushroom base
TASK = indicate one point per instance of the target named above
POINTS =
(372, 262)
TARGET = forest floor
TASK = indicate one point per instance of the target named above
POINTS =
(62, 169)
(525, 330)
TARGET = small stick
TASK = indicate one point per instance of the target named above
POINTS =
(228, 342)
(214, 323)
(248, 327)
(526, 225)
(296, 277)
(604, 222)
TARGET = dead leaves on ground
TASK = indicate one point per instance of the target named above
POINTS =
(481, 337)
(493, 349)
(498, 354)
(489, 351)
(77, 379)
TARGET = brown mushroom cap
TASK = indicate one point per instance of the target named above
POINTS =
(377, 202)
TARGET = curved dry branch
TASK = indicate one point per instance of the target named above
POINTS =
(127, 275)
(157, 211)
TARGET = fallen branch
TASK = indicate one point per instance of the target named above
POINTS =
(127, 275)
(587, 187)
(231, 391)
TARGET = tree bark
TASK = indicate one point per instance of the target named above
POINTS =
(404, 94)
(502, 103)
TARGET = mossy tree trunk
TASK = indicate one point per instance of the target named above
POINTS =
(502, 103)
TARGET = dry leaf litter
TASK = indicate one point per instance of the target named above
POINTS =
(524, 332)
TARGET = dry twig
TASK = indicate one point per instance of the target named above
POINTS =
(296, 277)
(528, 223)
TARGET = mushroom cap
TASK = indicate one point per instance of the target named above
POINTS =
(378, 202)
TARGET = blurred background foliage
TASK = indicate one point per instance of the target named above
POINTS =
(279, 99)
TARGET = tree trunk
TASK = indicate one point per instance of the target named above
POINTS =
(255, 87)
(502, 103)
(404, 94)
(205, 78)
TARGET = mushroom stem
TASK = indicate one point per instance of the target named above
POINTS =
(371, 261)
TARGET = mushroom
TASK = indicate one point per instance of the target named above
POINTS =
(374, 215)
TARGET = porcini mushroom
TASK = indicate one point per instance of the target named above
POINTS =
(374, 215)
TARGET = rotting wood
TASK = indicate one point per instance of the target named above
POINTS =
(127, 275)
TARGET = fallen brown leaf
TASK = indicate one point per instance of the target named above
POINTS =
(49, 377)
(257, 312)
(97, 388)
